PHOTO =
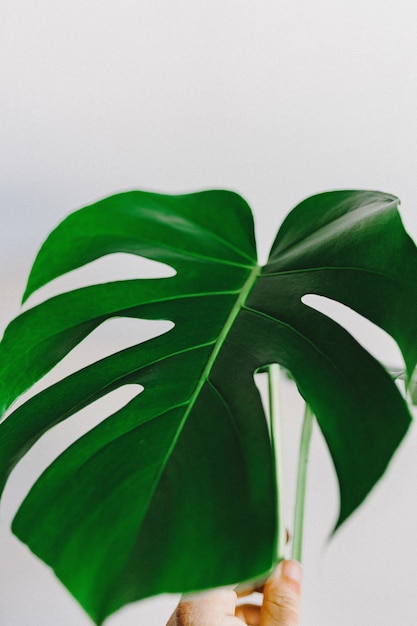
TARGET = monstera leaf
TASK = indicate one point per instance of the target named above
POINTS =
(176, 490)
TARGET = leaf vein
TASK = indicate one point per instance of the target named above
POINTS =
(329, 268)
(297, 332)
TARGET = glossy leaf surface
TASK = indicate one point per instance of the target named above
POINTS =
(176, 490)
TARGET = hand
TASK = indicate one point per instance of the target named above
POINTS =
(280, 607)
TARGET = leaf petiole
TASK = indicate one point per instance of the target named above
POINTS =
(306, 432)
(276, 440)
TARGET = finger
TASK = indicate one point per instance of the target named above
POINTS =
(249, 614)
(281, 605)
(205, 609)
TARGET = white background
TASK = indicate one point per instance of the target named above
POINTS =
(274, 99)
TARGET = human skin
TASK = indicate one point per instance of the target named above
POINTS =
(280, 606)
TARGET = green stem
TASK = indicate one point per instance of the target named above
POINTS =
(297, 544)
(276, 439)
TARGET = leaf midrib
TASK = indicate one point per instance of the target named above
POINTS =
(244, 292)
(237, 307)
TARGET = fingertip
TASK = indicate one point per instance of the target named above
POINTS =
(289, 569)
(292, 570)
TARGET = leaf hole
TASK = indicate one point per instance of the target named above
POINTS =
(113, 335)
(375, 340)
(56, 440)
(112, 267)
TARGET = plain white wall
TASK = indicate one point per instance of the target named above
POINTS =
(274, 99)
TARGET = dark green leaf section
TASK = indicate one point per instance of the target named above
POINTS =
(175, 491)
(355, 406)
(49, 331)
(210, 225)
(351, 247)
(75, 392)
(178, 481)
(114, 510)
(358, 253)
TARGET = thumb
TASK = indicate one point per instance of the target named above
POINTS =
(281, 605)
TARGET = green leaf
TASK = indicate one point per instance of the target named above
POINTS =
(176, 490)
